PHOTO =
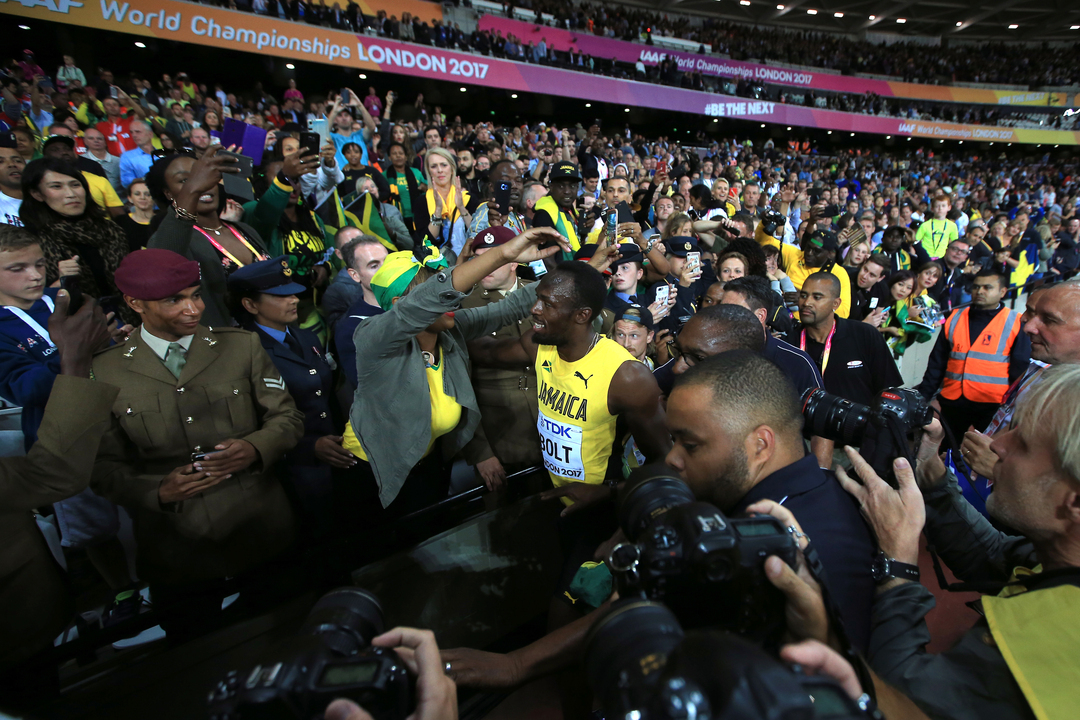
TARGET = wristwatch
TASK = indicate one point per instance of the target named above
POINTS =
(885, 568)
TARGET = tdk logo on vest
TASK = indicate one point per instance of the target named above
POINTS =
(555, 428)
(58, 6)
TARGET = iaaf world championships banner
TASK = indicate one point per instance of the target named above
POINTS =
(210, 26)
(606, 48)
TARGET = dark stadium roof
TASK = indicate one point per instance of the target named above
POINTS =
(1034, 20)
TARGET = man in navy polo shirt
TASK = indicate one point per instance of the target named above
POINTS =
(736, 427)
(754, 294)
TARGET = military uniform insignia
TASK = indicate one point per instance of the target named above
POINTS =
(130, 350)
(276, 384)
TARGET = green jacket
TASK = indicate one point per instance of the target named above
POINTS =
(391, 411)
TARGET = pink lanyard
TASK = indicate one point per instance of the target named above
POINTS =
(828, 347)
(255, 253)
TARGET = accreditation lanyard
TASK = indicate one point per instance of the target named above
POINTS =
(825, 353)
(34, 324)
(255, 253)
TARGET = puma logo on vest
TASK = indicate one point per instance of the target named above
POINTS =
(583, 378)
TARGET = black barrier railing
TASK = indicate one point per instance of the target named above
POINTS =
(403, 533)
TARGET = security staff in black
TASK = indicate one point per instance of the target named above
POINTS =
(265, 296)
(855, 361)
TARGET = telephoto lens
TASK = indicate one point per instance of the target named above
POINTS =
(626, 650)
(834, 418)
(649, 491)
(346, 619)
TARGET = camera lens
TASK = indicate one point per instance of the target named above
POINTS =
(347, 619)
(834, 418)
(649, 491)
(626, 650)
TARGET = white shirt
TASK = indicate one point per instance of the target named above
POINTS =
(161, 347)
(9, 210)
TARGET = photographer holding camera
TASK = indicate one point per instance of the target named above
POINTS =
(1019, 660)
(436, 694)
(736, 426)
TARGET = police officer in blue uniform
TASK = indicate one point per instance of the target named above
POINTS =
(263, 296)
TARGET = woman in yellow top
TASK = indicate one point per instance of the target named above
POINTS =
(414, 406)
(448, 209)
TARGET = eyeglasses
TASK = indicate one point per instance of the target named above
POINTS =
(676, 352)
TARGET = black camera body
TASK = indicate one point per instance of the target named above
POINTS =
(880, 432)
(640, 664)
(330, 658)
(771, 220)
(707, 567)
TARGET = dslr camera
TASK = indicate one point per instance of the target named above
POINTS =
(331, 657)
(879, 431)
(640, 664)
(771, 221)
(707, 567)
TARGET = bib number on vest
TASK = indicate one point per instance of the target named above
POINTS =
(560, 444)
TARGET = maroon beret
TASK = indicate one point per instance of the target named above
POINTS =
(154, 274)
(492, 237)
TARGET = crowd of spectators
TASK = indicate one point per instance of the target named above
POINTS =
(1031, 65)
(631, 25)
(1001, 63)
(300, 359)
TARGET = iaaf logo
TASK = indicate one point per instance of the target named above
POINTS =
(59, 6)
(906, 127)
(647, 56)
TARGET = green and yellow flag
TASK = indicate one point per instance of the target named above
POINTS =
(368, 219)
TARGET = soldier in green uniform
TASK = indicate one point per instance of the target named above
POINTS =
(506, 440)
(202, 417)
(35, 604)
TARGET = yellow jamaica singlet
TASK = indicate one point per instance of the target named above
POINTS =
(577, 431)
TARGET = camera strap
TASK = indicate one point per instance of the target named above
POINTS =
(1036, 581)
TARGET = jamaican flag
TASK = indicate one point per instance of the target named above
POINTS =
(333, 215)
(364, 210)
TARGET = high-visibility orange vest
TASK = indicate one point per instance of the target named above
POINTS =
(979, 372)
